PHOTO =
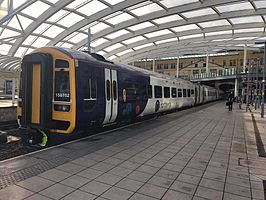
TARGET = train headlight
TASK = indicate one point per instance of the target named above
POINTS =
(62, 108)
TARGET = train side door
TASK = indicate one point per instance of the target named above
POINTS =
(111, 96)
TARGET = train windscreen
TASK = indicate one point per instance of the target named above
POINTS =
(62, 86)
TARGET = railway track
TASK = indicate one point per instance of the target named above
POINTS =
(8, 125)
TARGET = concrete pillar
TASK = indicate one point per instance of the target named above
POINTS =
(153, 65)
(13, 90)
(236, 87)
(245, 58)
(207, 62)
(177, 67)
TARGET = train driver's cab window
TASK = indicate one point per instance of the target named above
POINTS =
(173, 92)
(184, 93)
(166, 91)
(62, 86)
(90, 94)
(179, 92)
(158, 91)
(188, 92)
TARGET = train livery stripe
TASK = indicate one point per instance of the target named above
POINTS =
(36, 91)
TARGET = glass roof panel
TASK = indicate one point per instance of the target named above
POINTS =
(249, 30)
(40, 42)
(117, 34)
(36, 9)
(245, 38)
(101, 53)
(57, 16)
(112, 57)
(53, 1)
(98, 42)
(171, 3)
(77, 3)
(119, 18)
(198, 13)
(41, 28)
(235, 7)
(14, 23)
(29, 51)
(70, 20)
(113, 47)
(143, 46)
(134, 39)
(185, 28)
(53, 31)
(98, 27)
(158, 33)
(167, 40)
(190, 36)
(124, 52)
(218, 33)
(221, 22)
(7, 33)
(243, 20)
(67, 45)
(25, 22)
(167, 19)
(140, 26)
(4, 48)
(29, 40)
(17, 3)
(77, 38)
(20, 52)
(146, 9)
(113, 2)
(260, 4)
(92, 8)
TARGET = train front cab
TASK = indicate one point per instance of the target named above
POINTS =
(47, 102)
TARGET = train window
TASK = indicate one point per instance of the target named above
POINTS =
(93, 89)
(108, 93)
(173, 92)
(166, 91)
(114, 90)
(61, 64)
(149, 91)
(90, 89)
(133, 91)
(192, 92)
(188, 92)
(158, 91)
(184, 93)
(62, 88)
(179, 92)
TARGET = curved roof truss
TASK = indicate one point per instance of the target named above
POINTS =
(128, 30)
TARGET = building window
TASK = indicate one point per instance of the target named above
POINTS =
(224, 63)
(195, 71)
(173, 65)
(204, 64)
(241, 62)
(165, 66)
(196, 65)
(181, 65)
(159, 66)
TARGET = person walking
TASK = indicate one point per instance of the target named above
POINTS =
(230, 100)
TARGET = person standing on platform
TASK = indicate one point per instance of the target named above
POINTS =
(230, 100)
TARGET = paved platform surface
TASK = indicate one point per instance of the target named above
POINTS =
(207, 154)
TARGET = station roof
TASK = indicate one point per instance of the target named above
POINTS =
(128, 30)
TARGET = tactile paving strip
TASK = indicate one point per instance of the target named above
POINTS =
(23, 174)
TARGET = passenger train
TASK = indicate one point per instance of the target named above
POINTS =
(64, 90)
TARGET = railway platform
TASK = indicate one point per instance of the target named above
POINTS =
(207, 153)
